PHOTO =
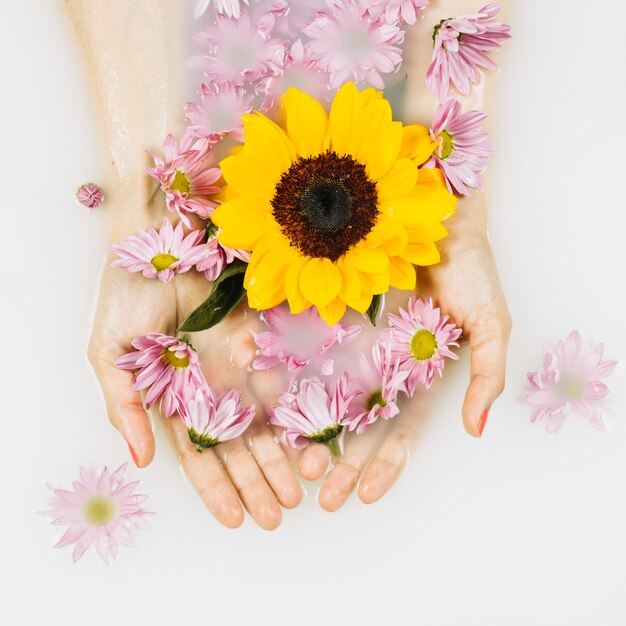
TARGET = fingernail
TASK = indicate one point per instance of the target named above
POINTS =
(133, 454)
(482, 420)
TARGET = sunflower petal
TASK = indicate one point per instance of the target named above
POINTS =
(369, 260)
(243, 222)
(264, 289)
(306, 122)
(417, 144)
(401, 273)
(398, 181)
(333, 312)
(342, 117)
(320, 281)
(297, 301)
(422, 253)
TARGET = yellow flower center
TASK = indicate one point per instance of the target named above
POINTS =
(169, 356)
(99, 510)
(180, 182)
(163, 261)
(446, 146)
(571, 387)
(423, 345)
(375, 399)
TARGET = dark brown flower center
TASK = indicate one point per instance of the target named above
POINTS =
(325, 204)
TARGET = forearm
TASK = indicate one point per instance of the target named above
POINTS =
(127, 47)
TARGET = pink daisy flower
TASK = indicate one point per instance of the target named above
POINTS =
(90, 195)
(232, 8)
(161, 254)
(397, 11)
(293, 16)
(218, 258)
(299, 69)
(351, 44)
(421, 338)
(211, 419)
(312, 413)
(299, 340)
(167, 367)
(570, 380)
(238, 50)
(219, 111)
(187, 177)
(460, 46)
(102, 511)
(463, 150)
(378, 381)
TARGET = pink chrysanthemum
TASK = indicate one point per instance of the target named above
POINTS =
(350, 44)
(219, 111)
(90, 195)
(463, 150)
(167, 367)
(378, 381)
(421, 338)
(218, 258)
(300, 340)
(398, 11)
(101, 511)
(299, 69)
(232, 8)
(161, 254)
(211, 419)
(186, 175)
(460, 46)
(293, 16)
(311, 413)
(238, 50)
(570, 380)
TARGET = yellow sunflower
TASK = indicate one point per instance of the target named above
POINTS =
(333, 207)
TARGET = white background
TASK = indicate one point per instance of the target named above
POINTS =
(518, 528)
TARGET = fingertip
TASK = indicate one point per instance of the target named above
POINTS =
(314, 461)
(291, 496)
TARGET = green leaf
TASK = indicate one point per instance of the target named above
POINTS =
(374, 307)
(227, 292)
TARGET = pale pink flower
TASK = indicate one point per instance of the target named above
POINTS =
(167, 367)
(238, 50)
(90, 195)
(161, 254)
(293, 16)
(187, 176)
(298, 69)
(218, 114)
(398, 11)
(101, 510)
(219, 258)
(421, 338)
(300, 340)
(232, 8)
(211, 419)
(378, 381)
(460, 46)
(463, 150)
(311, 413)
(570, 381)
(351, 44)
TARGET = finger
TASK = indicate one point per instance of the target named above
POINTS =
(124, 406)
(255, 493)
(206, 475)
(314, 461)
(275, 466)
(487, 371)
(343, 478)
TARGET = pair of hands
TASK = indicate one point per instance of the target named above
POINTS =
(254, 471)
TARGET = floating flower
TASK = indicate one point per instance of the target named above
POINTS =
(218, 259)
(211, 419)
(300, 340)
(298, 70)
(232, 8)
(462, 148)
(397, 11)
(293, 16)
(166, 366)
(378, 381)
(329, 209)
(101, 511)
(160, 254)
(460, 46)
(421, 337)
(219, 112)
(187, 177)
(351, 44)
(90, 195)
(311, 413)
(238, 50)
(570, 380)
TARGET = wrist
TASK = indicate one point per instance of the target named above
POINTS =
(469, 220)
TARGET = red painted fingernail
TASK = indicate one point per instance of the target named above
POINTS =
(133, 454)
(482, 420)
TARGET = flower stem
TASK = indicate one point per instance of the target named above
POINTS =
(334, 446)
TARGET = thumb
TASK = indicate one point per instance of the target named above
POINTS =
(124, 406)
(487, 370)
